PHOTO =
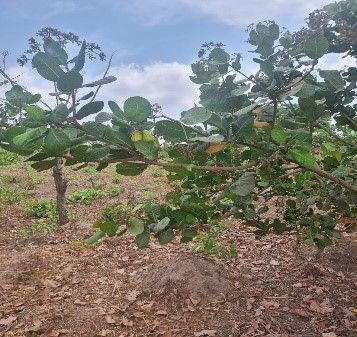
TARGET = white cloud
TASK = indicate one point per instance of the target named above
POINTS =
(167, 84)
(230, 12)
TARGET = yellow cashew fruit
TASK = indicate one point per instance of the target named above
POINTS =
(148, 137)
(136, 136)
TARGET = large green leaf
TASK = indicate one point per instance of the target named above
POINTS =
(148, 149)
(196, 115)
(54, 49)
(161, 225)
(244, 185)
(316, 46)
(47, 67)
(334, 78)
(165, 236)
(302, 156)
(70, 81)
(56, 142)
(59, 114)
(118, 113)
(279, 135)
(131, 169)
(109, 227)
(29, 137)
(135, 226)
(243, 126)
(137, 109)
(142, 240)
(172, 131)
(89, 109)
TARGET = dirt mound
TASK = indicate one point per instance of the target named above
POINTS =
(189, 277)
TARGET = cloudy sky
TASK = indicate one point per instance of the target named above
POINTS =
(155, 40)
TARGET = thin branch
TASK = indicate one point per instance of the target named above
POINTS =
(105, 74)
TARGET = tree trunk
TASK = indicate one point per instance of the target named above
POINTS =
(61, 187)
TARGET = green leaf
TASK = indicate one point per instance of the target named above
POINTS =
(103, 117)
(43, 165)
(54, 49)
(195, 115)
(28, 137)
(47, 67)
(334, 78)
(59, 114)
(243, 126)
(89, 109)
(279, 135)
(118, 113)
(56, 142)
(316, 46)
(236, 63)
(137, 109)
(302, 156)
(172, 131)
(209, 139)
(244, 185)
(108, 227)
(148, 149)
(130, 169)
(240, 90)
(99, 234)
(142, 240)
(80, 59)
(135, 226)
(307, 104)
(105, 80)
(219, 56)
(70, 81)
(161, 225)
(246, 109)
(165, 236)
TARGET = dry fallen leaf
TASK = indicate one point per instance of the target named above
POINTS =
(7, 321)
(126, 322)
(270, 304)
(109, 319)
(329, 334)
(207, 333)
(274, 263)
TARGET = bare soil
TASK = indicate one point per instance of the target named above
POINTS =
(55, 286)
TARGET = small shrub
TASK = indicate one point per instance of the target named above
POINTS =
(7, 179)
(118, 213)
(86, 195)
(91, 171)
(43, 226)
(207, 243)
(8, 158)
(10, 195)
(115, 191)
(41, 208)
(117, 178)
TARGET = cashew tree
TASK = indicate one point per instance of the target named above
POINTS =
(287, 131)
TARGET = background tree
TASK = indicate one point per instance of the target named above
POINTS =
(254, 137)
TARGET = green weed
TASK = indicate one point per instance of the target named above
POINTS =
(86, 195)
(8, 158)
(45, 208)
(10, 195)
(115, 191)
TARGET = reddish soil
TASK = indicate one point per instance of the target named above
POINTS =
(55, 286)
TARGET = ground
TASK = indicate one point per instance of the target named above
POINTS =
(54, 285)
